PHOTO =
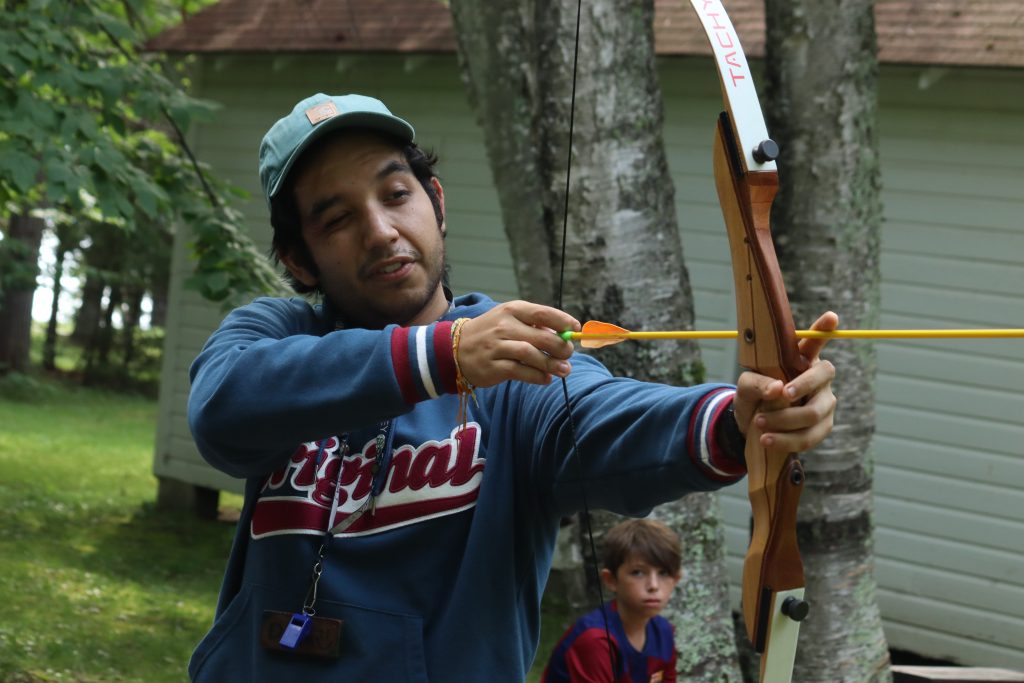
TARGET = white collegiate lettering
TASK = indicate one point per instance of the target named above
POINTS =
(431, 480)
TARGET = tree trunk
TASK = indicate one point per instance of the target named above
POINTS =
(159, 295)
(105, 334)
(624, 259)
(50, 345)
(25, 234)
(87, 318)
(132, 314)
(500, 51)
(822, 75)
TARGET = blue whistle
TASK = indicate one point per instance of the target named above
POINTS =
(296, 631)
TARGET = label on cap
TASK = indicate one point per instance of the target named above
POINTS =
(321, 112)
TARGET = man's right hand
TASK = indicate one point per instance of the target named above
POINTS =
(517, 340)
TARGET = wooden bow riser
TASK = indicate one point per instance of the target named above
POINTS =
(772, 569)
(768, 341)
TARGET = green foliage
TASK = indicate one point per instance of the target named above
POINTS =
(140, 374)
(224, 254)
(93, 126)
(17, 264)
(26, 388)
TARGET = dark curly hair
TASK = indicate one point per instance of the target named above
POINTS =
(284, 212)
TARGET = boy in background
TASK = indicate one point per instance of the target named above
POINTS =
(642, 564)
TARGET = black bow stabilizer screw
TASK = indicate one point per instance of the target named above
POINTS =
(766, 150)
(795, 608)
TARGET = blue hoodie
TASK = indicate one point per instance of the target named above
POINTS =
(443, 581)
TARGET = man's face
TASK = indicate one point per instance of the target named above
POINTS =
(641, 589)
(371, 231)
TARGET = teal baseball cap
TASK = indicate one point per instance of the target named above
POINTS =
(310, 120)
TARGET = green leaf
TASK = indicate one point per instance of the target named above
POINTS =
(40, 113)
(148, 197)
(117, 27)
(27, 51)
(108, 158)
(19, 169)
(10, 60)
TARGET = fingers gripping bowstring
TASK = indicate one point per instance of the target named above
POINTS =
(585, 512)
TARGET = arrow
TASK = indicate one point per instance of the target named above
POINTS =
(597, 334)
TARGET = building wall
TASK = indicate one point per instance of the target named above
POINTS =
(949, 455)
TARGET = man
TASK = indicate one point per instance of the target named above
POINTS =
(407, 457)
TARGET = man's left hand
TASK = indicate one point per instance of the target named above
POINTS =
(793, 416)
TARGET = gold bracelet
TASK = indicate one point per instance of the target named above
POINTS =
(462, 385)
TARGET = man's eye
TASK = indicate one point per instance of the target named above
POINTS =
(397, 195)
(336, 221)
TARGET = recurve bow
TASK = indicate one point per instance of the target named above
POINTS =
(747, 179)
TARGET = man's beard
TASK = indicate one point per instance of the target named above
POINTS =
(377, 317)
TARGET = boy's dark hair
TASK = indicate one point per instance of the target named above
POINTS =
(284, 214)
(648, 539)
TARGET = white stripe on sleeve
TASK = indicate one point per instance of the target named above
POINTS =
(705, 448)
(422, 362)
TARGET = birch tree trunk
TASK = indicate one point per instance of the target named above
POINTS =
(624, 258)
(821, 79)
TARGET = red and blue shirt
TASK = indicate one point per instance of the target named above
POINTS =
(583, 654)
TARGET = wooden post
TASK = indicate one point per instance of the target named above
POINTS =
(954, 674)
(174, 495)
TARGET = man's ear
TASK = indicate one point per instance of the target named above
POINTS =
(609, 580)
(297, 268)
(436, 184)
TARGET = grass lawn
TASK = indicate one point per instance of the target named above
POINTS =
(95, 585)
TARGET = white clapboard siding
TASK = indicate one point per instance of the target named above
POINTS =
(950, 443)
(950, 440)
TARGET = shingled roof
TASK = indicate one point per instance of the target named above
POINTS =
(933, 32)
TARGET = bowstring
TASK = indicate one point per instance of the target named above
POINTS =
(585, 512)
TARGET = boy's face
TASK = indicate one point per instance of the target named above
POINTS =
(372, 232)
(640, 588)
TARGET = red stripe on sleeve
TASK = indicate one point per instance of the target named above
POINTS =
(444, 357)
(400, 361)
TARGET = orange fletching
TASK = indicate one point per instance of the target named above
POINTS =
(598, 327)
